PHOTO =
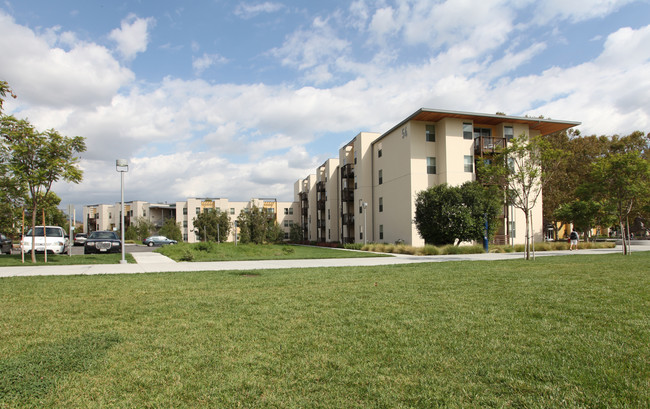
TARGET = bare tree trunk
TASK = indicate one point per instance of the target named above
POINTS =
(620, 223)
(33, 252)
(527, 235)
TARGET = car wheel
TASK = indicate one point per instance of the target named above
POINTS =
(150, 244)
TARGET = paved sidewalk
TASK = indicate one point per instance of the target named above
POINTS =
(157, 263)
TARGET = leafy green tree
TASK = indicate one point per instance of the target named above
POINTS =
(622, 180)
(295, 233)
(523, 168)
(257, 226)
(572, 169)
(482, 202)
(171, 230)
(36, 160)
(131, 233)
(274, 232)
(212, 225)
(143, 228)
(4, 90)
(446, 214)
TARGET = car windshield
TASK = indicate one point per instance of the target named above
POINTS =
(49, 231)
(103, 235)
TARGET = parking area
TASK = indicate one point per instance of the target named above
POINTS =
(130, 248)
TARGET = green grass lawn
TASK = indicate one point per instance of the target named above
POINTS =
(229, 252)
(63, 259)
(559, 332)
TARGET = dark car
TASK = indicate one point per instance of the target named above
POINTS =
(158, 241)
(5, 244)
(102, 242)
(80, 239)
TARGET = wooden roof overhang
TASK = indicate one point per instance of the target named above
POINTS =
(544, 126)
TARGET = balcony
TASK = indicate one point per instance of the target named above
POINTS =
(320, 224)
(320, 205)
(347, 172)
(488, 145)
(348, 219)
(320, 186)
(347, 195)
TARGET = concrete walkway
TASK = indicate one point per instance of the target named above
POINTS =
(157, 263)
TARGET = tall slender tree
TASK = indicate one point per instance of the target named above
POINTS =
(36, 160)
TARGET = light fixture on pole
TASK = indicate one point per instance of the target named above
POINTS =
(122, 166)
(365, 224)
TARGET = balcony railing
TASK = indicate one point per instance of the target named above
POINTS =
(488, 144)
(347, 195)
(320, 186)
(347, 171)
(348, 219)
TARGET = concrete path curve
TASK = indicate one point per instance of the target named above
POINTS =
(157, 263)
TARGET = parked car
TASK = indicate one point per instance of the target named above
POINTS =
(80, 239)
(158, 241)
(50, 237)
(5, 244)
(102, 242)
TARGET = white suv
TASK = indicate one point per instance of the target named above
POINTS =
(55, 236)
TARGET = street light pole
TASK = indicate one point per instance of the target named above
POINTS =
(122, 166)
(365, 223)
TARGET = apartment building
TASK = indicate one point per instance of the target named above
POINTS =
(380, 174)
(107, 217)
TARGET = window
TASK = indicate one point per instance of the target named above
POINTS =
(381, 204)
(469, 163)
(508, 133)
(329, 234)
(431, 133)
(185, 211)
(286, 210)
(355, 181)
(482, 133)
(431, 166)
(381, 232)
(468, 131)
(185, 223)
(198, 210)
(379, 153)
(286, 223)
(291, 210)
(381, 176)
(355, 158)
(328, 214)
(144, 213)
(232, 210)
(286, 236)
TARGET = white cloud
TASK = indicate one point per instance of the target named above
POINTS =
(314, 49)
(133, 35)
(44, 74)
(247, 10)
(202, 63)
(187, 138)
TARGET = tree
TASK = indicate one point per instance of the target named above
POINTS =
(171, 230)
(36, 160)
(446, 215)
(143, 228)
(621, 179)
(4, 90)
(295, 233)
(257, 226)
(212, 225)
(523, 168)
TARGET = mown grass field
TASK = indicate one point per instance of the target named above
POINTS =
(211, 251)
(558, 332)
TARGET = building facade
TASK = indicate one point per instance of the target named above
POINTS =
(368, 193)
(380, 175)
(107, 217)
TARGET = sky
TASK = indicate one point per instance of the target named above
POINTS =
(239, 99)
